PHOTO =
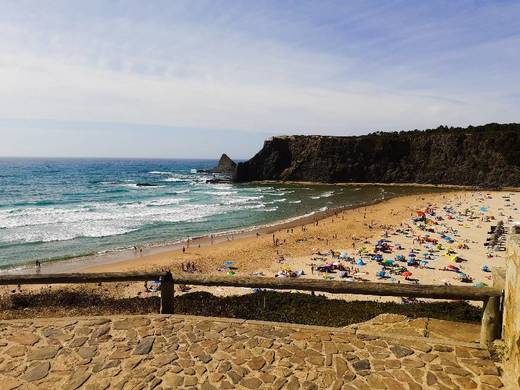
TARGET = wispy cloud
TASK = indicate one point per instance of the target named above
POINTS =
(258, 67)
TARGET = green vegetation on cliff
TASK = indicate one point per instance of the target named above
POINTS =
(485, 156)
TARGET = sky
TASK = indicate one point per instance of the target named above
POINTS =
(181, 79)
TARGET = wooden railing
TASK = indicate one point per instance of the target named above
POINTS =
(491, 297)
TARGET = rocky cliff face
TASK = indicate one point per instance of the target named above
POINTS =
(486, 156)
(226, 165)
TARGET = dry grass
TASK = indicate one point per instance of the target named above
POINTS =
(269, 306)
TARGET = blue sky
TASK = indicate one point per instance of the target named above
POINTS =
(196, 78)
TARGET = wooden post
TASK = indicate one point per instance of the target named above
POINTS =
(491, 321)
(167, 291)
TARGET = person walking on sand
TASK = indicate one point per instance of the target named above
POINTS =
(183, 250)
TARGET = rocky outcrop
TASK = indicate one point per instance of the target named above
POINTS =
(485, 156)
(225, 165)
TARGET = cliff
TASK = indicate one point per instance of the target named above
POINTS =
(487, 156)
(225, 165)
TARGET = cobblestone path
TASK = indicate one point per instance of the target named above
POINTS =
(170, 352)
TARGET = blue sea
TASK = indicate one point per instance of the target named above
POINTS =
(62, 208)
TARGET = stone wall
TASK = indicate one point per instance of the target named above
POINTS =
(511, 326)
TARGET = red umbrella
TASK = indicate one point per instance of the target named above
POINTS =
(407, 274)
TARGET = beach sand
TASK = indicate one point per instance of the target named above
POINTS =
(362, 226)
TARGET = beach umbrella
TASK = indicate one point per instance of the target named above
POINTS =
(343, 255)
(388, 262)
(381, 274)
(411, 254)
(407, 274)
(360, 262)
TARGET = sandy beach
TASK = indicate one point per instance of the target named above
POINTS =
(464, 216)
(306, 245)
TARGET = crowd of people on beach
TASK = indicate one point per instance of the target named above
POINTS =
(433, 241)
(431, 238)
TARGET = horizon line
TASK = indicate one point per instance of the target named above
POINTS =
(114, 158)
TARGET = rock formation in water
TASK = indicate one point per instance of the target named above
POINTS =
(225, 165)
(487, 156)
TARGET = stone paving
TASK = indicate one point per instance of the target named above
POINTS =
(170, 352)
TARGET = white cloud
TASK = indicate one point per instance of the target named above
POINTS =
(253, 69)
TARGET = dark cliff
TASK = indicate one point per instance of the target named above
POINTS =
(485, 156)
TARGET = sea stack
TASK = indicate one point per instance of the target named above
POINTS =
(226, 165)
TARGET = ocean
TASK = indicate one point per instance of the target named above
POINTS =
(53, 209)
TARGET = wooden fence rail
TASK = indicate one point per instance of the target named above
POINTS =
(491, 297)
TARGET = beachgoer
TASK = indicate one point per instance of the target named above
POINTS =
(183, 250)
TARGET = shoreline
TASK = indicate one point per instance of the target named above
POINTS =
(240, 245)
(73, 264)
(454, 187)
(354, 231)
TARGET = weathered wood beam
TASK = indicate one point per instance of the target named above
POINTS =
(78, 278)
(335, 287)
(343, 287)
(490, 328)
(167, 291)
